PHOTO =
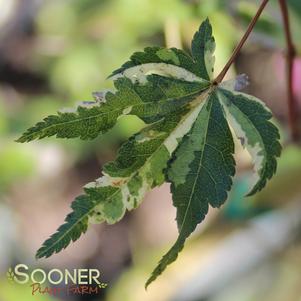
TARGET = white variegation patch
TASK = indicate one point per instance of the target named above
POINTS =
(148, 136)
(256, 151)
(134, 201)
(127, 110)
(96, 218)
(184, 127)
(129, 201)
(209, 58)
(140, 72)
(104, 181)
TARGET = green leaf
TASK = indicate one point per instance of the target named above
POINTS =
(76, 224)
(186, 140)
(249, 118)
(174, 62)
(138, 168)
(202, 48)
(150, 101)
(169, 62)
(200, 173)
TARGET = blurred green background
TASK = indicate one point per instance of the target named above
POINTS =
(56, 53)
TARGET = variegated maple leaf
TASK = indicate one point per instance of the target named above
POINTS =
(186, 141)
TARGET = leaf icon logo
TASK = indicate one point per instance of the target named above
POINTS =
(103, 285)
(10, 275)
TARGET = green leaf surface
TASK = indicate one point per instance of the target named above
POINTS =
(249, 118)
(186, 140)
(200, 173)
(138, 167)
(75, 224)
(202, 48)
(149, 101)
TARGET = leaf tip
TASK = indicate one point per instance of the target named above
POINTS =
(206, 22)
(149, 281)
(21, 139)
(38, 255)
(42, 252)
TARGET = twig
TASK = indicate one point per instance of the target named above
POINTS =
(290, 55)
(222, 74)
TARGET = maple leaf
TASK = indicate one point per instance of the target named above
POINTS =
(186, 141)
(150, 101)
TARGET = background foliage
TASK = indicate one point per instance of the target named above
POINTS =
(53, 53)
